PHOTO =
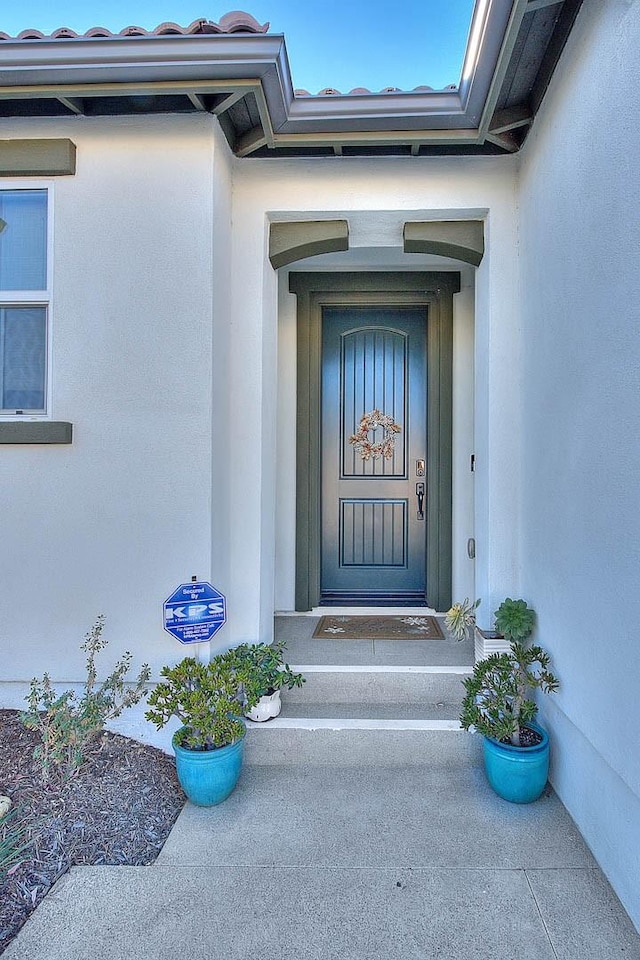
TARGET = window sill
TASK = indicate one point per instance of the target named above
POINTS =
(36, 431)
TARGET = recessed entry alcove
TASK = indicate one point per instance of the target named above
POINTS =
(370, 258)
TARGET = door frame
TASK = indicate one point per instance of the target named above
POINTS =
(435, 291)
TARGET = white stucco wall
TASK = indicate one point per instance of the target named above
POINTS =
(221, 479)
(377, 197)
(165, 349)
(113, 522)
(579, 204)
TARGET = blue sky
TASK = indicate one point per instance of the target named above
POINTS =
(331, 43)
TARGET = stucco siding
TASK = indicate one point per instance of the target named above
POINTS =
(165, 359)
(377, 197)
(113, 522)
(579, 204)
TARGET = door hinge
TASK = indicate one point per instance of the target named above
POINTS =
(473, 463)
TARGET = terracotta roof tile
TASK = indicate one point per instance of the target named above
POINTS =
(332, 92)
(235, 22)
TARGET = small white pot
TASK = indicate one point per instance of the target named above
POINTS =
(266, 708)
(487, 642)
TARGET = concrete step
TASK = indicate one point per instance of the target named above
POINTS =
(350, 697)
(426, 711)
(370, 685)
(366, 703)
(360, 743)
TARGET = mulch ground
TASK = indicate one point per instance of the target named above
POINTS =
(118, 809)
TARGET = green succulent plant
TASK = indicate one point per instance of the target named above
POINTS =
(461, 618)
(208, 698)
(265, 667)
(496, 702)
(515, 620)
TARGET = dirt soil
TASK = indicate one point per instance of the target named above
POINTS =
(118, 808)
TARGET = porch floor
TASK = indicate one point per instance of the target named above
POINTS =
(303, 650)
(351, 842)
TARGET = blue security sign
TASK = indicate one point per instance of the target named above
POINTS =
(194, 612)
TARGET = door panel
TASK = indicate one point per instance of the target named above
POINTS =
(373, 533)
(374, 358)
(373, 363)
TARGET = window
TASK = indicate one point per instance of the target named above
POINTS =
(24, 301)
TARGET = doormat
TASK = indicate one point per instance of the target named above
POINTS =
(378, 628)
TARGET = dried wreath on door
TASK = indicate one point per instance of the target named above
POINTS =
(370, 422)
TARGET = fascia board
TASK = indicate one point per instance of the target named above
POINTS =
(335, 106)
(377, 112)
(126, 59)
(474, 91)
(139, 88)
(381, 122)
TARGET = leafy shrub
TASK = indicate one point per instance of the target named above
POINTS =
(265, 666)
(208, 698)
(68, 723)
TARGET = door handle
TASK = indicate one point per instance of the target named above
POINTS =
(420, 495)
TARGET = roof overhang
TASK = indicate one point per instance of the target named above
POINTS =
(245, 80)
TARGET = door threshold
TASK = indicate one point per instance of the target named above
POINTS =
(376, 611)
(344, 598)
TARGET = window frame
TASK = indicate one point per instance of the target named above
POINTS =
(34, 298)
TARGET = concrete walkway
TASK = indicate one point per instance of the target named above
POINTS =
(362, 828)
(353, 845)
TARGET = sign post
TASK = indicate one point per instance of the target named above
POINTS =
(194, 612)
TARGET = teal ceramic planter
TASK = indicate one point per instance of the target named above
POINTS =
(517, 774)
(208, 776)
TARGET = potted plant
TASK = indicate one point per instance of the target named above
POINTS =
(511, 617)
(497, 705)
(263, 664)
(209, 699)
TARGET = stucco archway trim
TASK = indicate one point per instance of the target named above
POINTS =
(460, 239)
(298, 239)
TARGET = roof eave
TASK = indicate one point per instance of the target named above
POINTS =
(76, 65)
(221, 73)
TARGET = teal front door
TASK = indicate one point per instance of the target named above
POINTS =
(374, 453)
